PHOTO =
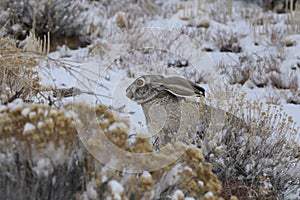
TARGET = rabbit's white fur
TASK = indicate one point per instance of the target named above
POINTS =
(173, 116)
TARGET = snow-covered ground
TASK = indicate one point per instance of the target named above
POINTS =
(122, 57)
(224, 48)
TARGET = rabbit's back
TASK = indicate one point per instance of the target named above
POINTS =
(185, 120)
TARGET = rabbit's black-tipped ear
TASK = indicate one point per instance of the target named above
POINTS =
(178, 86)
(200, 91)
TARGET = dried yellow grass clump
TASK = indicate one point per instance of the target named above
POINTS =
(16, 72)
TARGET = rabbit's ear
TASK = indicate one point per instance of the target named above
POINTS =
(179, 86)
(200, 91)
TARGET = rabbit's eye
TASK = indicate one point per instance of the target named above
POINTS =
(140, 82)
(141, 91)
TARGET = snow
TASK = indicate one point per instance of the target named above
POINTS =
(208, 195)
(25, 112)
(28, 127)
(189, 198)
(104, 179)
(6, 158)
(201, 183)
(3, 108)
(52, 111)
(117, 82)
(40, 124)
(44, 167)
(32, 115)
(15, 105)
(293, 196)
(91, 193)
(177, 195)
(57, 154)
(116, 189)
(112, 81)
(146, 174)
(170, 178)
(187, 168)
(69, 114)
(116, 126)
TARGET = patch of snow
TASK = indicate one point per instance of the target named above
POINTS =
(53, 111)
(201, 183)
(25, 112)
(116, 188)
(32, 114)
(3, 108)
(6, 158)
(28, 127)
(91, 192)
(15, 105)
(208, 195)
(104, 179)
(70, 114)
(177, 195)
(117, 125)
(40, 124)
(293, 196)
(146, 174)
(170, 178)
(44, 167)
(187, 168)
(16, 28)
(46, 112)
(189, 198)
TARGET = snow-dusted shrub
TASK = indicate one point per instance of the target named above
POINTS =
(190, 175)
(258, 160)
(281, 81)
(42, 157)
(293, 97)
(226, 41)
(263, 71)
(253, 68)
(36, 124)
(62, 19)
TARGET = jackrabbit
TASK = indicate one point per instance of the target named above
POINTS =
(173, 116)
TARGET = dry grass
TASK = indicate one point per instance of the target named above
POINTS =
(17, 71)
